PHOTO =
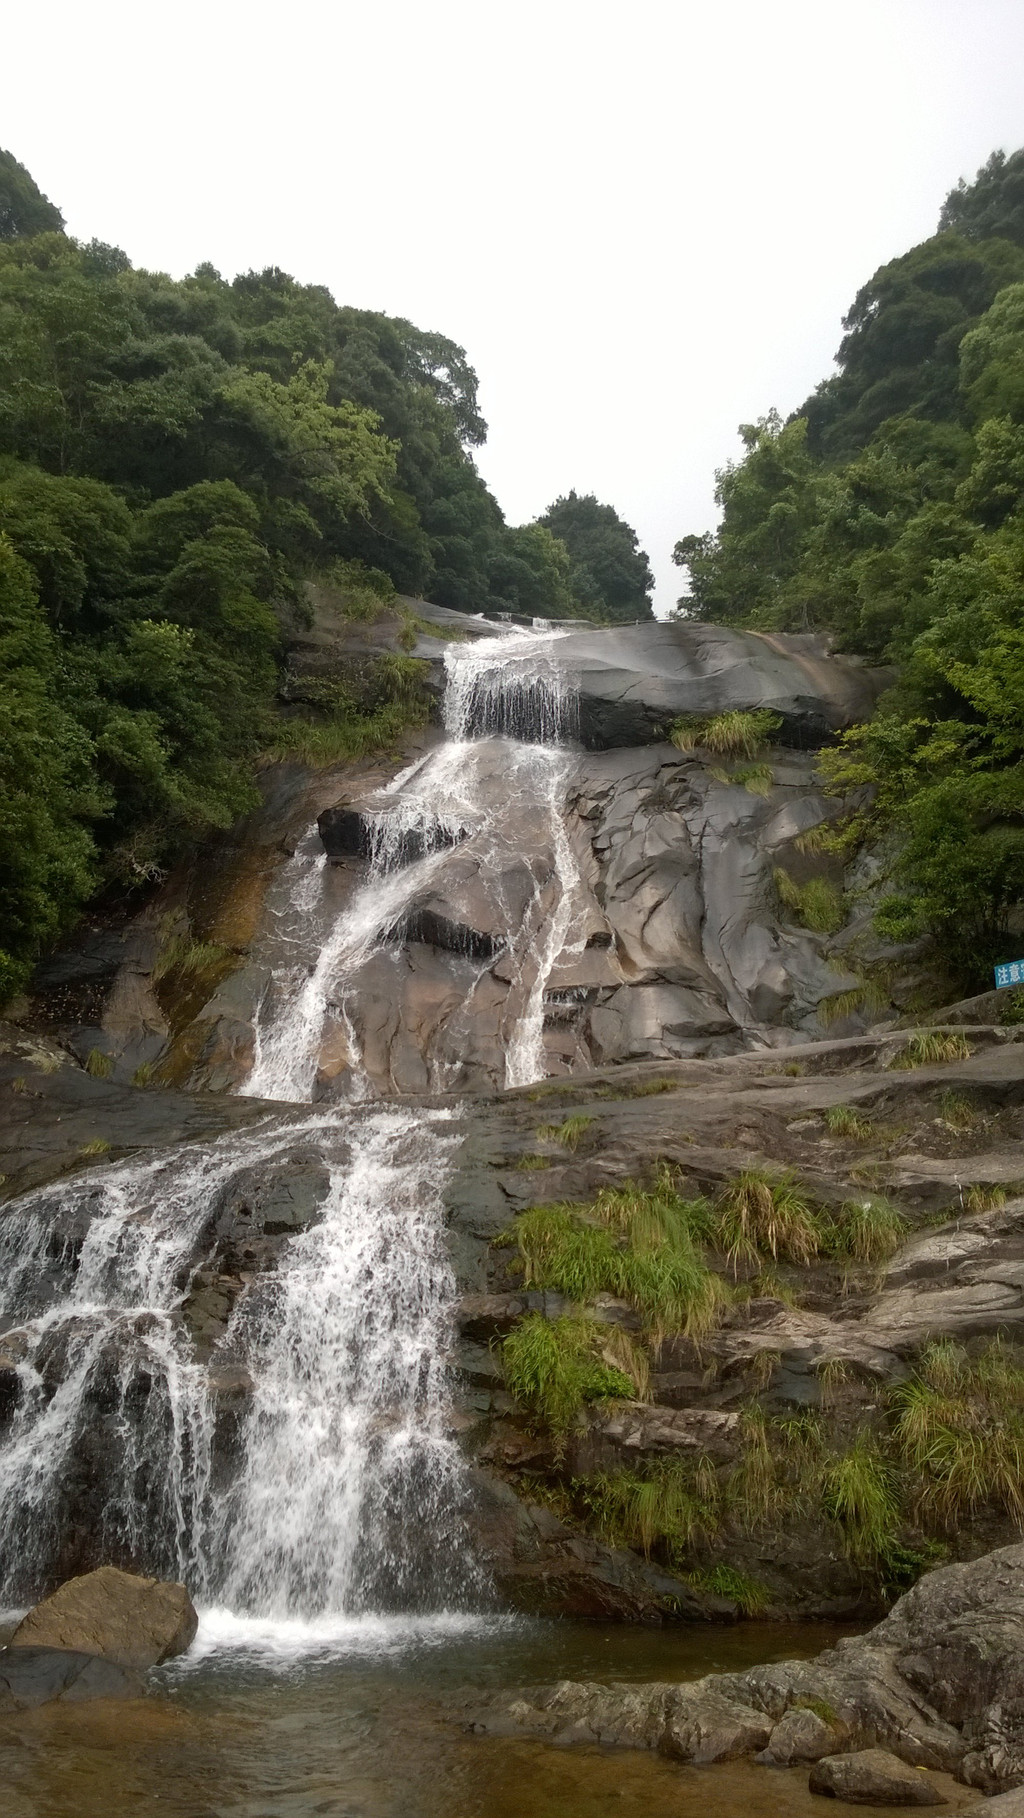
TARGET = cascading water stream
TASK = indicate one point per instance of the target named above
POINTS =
(349, 1490)
(509, 688)
(343, 1490)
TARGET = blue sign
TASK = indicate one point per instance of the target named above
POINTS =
(1012, 974)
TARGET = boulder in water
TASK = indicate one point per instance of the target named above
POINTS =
(873, 1777)
(133, 1622)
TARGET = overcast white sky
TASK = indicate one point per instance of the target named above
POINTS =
(643, 221)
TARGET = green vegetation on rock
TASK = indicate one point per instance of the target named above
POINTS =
(888, 512)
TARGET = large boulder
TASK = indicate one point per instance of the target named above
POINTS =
(873, 1777)
(134, 1622)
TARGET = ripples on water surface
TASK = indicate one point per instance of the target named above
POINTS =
(345, 1719)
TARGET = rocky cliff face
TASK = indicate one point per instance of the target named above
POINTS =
(655, 887)
(681, 1013)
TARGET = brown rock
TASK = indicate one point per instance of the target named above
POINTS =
(137, 1622)
(873, 1777)
(800, 1736)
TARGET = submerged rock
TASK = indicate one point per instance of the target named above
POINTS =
(30, 1676)
(133, 1622)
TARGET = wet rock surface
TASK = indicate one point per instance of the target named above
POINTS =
(873, 1777)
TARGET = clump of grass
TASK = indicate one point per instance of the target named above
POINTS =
(794, 1069)
(756, 779)
(754, 1491)
(860, 1494)
(842, 1120)
(98, 1146)
(984, 1198)
(553, 1366)
(960, 1429)
(817, 904)
(732, 734)
(932, 1047)
(532, 1163)
(647, 1088)
(958, 1112)
(869, 995)
(630, 1242)
(98, 1064)
(186, 958)
(668, 1503)
(144, 1073)
(832, 1373)
(750, 1595)
(764, 1212)
(568, 1132)
(867, 1230)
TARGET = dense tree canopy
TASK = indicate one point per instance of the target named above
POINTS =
(889, 512)
(609, 575)
(177, 460)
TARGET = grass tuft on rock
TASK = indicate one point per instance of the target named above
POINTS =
(635, 1244)
(736, 733)
(931, 1048)
(960, 1431)
(860, 1494)
(751, 1596)
(843, 1120)
(568, 1132)
(817, 904)
(868, 1230)
(668, 1503)
(765, 1212)
(553, 1366)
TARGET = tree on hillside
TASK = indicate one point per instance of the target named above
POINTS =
(992, 207)
(610, 577)
(23, 207)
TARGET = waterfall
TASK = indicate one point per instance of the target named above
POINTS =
(348, 1489)
(510, 714)
(340, 1489)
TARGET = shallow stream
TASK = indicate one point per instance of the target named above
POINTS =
(277, 1720)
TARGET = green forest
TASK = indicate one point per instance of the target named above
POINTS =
(888, 511)
(178, 460)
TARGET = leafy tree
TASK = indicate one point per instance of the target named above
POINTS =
(610, 576)
(992, 207)
(23, 207)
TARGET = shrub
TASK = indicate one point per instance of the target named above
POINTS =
(98, 1064)
(932, 1047)
(765, 1212)
(732, 734)
(553, 1366)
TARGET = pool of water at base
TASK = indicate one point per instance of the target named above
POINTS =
(354, 1720)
